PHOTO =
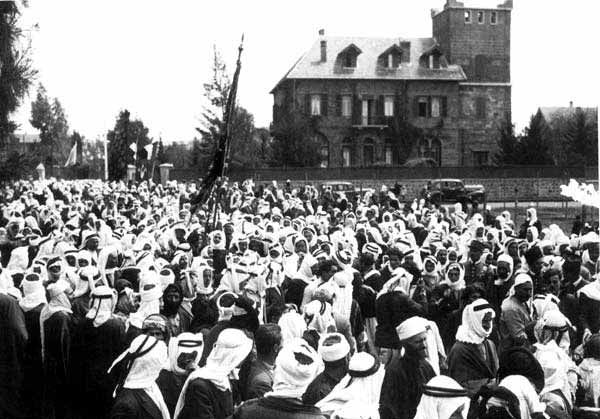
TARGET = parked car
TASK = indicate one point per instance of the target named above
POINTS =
(454, 190)
(347, 188)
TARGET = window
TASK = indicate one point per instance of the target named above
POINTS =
(480, 18)
(368, 152)
(365, 112)
(388, 152)
(467, 16)
(494, 18)
(388, 106)
(480, 158)
(390, 60)
(480, 108)
(350, 60)
(422, 107)
(347, 106)
(315, 105)
(430, 61)
(346, 153)
(323, 150)
(435, 107)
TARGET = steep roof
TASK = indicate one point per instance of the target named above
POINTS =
(309, 66)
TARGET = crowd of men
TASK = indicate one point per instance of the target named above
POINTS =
(267, 301)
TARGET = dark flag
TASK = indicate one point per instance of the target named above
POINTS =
(219, 164)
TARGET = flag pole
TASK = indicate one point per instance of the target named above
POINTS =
(105, 143)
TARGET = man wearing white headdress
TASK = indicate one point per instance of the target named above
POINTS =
(138, 395)
(207, 391)
(185, 351)
(356, 396)
(296, 366)
(443, 398)
(99, 340)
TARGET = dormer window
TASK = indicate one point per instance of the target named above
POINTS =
(391, 57)
(494, 18)
(349, 55)
(432, 58)
(480, 17)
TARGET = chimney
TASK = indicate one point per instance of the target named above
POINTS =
(323, 45)
(570, 104)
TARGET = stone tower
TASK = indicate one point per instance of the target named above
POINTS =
(478, 39)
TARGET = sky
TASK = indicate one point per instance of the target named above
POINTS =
(152, 57)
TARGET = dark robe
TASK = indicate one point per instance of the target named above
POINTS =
(589, 313)
(277, 408)
(468, 367)
(402, 387)
(170, 385)
(13, 340)
(93, 351)
(205, 314)
(322, 385)
(32, 386)
(134, 404)
(58, 333)
(259, 380)
(203, 400)
(392, 309)
(81, 306)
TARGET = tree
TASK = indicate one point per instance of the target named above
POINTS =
(161, 156)
(581, 139)
(405, 135)
(508, 144)
(16, 67)
(125, 133)
(242, 147)
(535, 148)
(50, 119)
(294, 142)
(196, 155)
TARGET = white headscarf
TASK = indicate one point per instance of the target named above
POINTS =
(102, 305)
(342, 303)
(460, 283)
(442, 396)
(292, 326)
(231, 348)
(59, 302)
(319, 316)
(34, 292)
(471, 329)
(185, 343)
(150, 299)
(357, 394)
(144, 370)
(296, 366)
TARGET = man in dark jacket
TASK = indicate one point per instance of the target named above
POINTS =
(259, 379)
(13, 338)
(296, 367)
(406, 375)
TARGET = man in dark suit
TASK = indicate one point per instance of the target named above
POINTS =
(260, 372)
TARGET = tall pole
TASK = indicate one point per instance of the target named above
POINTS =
(105, 142)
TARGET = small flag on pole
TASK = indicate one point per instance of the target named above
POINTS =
(72, 159)
(133, 147)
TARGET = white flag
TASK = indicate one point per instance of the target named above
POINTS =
(72, 159)
(148, 149)
(133, 147)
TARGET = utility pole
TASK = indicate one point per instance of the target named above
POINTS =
(105, 143)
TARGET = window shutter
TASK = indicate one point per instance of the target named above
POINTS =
(444, 109)
(380, 105)
(396, 60)
(324, 105)
(307, 104)
(356, 109)
(338, 105)
(397, 105)
(416, 107)
(428, 106)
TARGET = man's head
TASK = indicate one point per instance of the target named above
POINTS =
(268, 341)
(413, 337)
(523, 288)
(535, 259)
(475, 250)
(395, 257)
(172, 299)
(552, 279)
(335, 350)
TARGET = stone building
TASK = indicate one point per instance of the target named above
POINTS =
(361, 94)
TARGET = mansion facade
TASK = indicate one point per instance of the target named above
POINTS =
(362, 93)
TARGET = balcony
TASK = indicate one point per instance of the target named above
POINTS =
(373, 121)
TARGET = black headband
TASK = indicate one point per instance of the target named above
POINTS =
(360, 374)
(482, 307)
(189, 343)
(444, 392)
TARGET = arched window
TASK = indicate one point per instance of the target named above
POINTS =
(368, 152)
(423, 148)
(436, 151)
(346, 152)
(388, 152)
(323, 150)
